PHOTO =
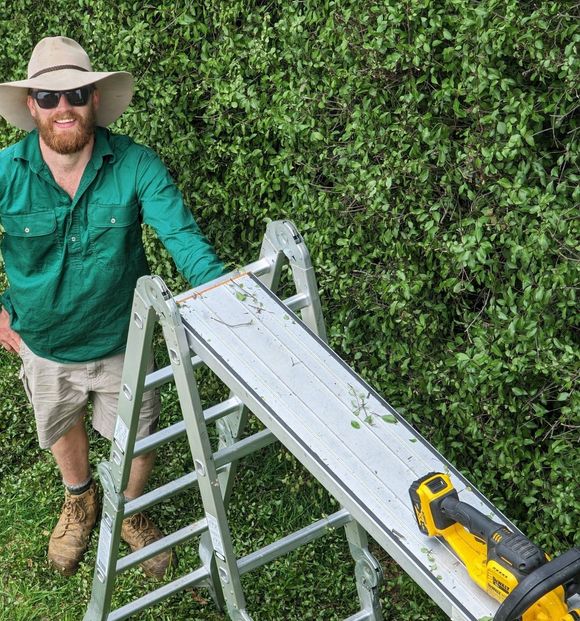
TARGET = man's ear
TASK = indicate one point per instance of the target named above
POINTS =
(96, 99)
(31, 106)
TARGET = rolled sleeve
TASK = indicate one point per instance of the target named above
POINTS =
(162, 207)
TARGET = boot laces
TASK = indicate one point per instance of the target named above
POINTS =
(73, 512)
(142, 528)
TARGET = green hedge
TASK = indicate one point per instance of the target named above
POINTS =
(428, 151)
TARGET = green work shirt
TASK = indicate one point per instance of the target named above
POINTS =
(72, 264)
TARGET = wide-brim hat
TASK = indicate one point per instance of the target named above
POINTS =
(61, 64)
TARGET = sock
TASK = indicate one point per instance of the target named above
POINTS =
(81, 488)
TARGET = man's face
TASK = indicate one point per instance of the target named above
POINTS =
(65, 129)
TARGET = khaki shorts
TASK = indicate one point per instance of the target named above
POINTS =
(59, 394)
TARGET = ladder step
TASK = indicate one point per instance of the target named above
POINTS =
(224, 456)
(195, 578)
(178, 429)
(169, 541)
(297, 302)
(293, 541)
(161, 493)
(165, 374)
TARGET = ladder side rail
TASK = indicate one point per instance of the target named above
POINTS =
(368, 571)
(199, 442)
(114, 474)
(282, 237)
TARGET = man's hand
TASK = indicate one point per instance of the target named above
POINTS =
(9, 339)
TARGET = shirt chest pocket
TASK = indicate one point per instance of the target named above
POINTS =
(114, 232)
(31, 243)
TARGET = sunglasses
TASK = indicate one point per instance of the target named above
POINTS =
(50, 99)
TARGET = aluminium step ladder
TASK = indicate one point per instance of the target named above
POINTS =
(279, 368)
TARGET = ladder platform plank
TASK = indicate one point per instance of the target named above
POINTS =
(359, 447)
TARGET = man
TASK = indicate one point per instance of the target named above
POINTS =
(72, 199)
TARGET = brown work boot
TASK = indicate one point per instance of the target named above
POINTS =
(70, 537)
(139, 531)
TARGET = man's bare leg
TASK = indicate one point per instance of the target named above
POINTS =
(140, 470)
(71, 453)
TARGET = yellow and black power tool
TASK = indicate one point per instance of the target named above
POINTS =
(506, 565)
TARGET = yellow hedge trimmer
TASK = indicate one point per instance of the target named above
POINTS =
(506, 565)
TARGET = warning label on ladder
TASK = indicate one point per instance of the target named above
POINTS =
(214, 532)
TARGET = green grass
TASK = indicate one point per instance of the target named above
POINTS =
(273, 496)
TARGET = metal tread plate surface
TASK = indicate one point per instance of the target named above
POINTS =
(342, 431)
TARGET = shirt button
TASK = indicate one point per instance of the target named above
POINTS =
(73, 239)
(27, 230)
(113, 220)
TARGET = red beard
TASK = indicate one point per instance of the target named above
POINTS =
(72, 140)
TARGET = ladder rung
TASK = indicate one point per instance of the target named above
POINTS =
(155, 440)
(163, 492)
(297, 302)
(224, 456)
(165, 374)
(178, 429)
(195, 578)
(293, 541)
(243, 448)
(169, 541)
(261, 266)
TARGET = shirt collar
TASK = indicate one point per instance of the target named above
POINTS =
(102, 148)
(29, 149)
